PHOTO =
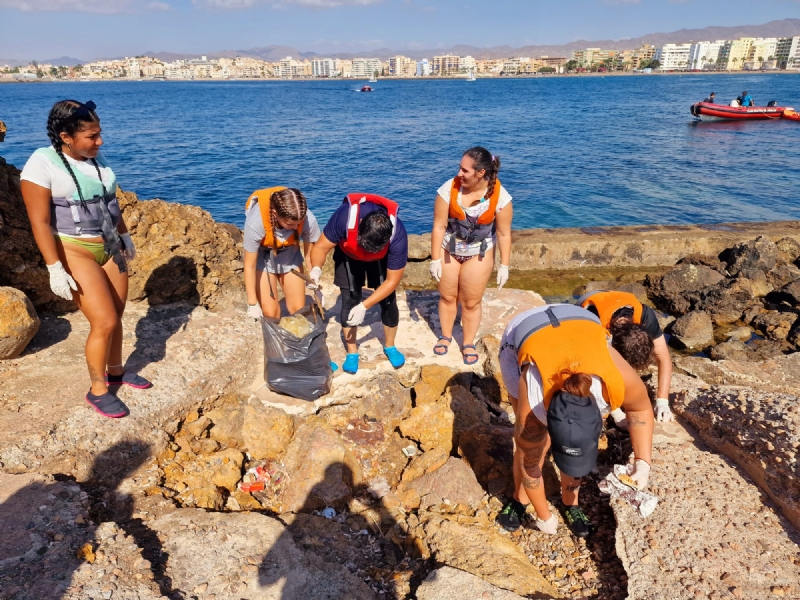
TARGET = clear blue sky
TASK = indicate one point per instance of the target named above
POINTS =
(89, 29)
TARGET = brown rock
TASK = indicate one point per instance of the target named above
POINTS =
(775, 325)
(728, 300)
(677, 289)
(266, 431)
(782, 275)
(385, 400)
(732, 350)
(431, 425)
(434, 379)
(788, 249)
(209, 498)
(227, 425)
(760, 254)
(227, 468)
(693, 330)
(410, 499)
(790, 292)
(425, 463)
(468, 410)
(454, 481)
(492, 385)
(18, 322)
(489, 452)
(196, 427)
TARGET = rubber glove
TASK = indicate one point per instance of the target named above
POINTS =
(356, 316)
(254, 311)
(436, 269)
(316, 274)
(620, 418)
(639, 471)
(663, 413)
(502, 276)
(61, 282)
(128, 250)
(549, 526)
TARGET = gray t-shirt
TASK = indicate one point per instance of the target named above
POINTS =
(254, 231)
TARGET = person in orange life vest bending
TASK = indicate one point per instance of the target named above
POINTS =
(472, 214)
(277, 220)
(371, 245)
(637, 336)
(562, 377)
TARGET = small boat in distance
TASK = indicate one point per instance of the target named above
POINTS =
(373, 79)
(706, 111)
(471, 76)
(366, 88)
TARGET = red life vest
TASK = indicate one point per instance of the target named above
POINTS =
(350, 244)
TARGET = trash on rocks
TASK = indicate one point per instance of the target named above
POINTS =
(612, 485)
(297, 325)
(410, 451)
(328, 513)
(265, 479)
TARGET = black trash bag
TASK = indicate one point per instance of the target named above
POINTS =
(298, 367)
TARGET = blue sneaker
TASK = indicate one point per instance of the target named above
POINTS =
(350, 364)
(395, 356)
(334, 367)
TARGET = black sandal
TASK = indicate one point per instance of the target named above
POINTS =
(440, 345)
(470, 359)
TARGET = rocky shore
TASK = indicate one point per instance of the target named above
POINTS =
(388, 487)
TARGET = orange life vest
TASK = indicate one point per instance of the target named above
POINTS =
(566, 339)
(466, 230)
(350, 244)
(263, 199)
(607, 303)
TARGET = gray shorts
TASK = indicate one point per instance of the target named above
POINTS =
(285, 260)
(509, 368)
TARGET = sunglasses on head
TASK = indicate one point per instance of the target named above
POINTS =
(85, 110)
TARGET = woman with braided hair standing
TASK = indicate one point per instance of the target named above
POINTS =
(70, 195)
(472, 215)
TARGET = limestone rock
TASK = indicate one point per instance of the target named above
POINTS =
(741, 334)
(227, 425)
(775, 325)
(489, 451)
(454, 481)
(492, 384)
(760, 254)
(385, 400)
(675, 290)
(486, 554)
(419, 247)
(732, 350)
(208, 497)
(778, 375)
(18, 322)
(424, 463)
(702, 259)
(434, 379)
(446, 583)
(693, 330)
(266, 431)
(791, 292)
(782, 275)
(237, 555)
(227, 468)
(431, 425)
(322, 470)
(788, 249)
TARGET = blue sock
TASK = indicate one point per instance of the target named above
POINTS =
(350, 364)
(395, 356)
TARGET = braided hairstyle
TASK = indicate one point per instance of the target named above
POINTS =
(68, 116)
(485, 161)
(287, 204)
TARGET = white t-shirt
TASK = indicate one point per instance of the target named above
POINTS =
(254, 231)
(473, 212)
(41, 171)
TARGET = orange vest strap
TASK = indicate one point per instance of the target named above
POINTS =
(456, 212)
(263, 197)
(607, 303)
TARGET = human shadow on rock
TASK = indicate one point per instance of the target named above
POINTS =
(347, 557)
(171, 293)
(45, 523)
(53, 330)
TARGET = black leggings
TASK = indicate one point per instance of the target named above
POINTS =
(390, 314)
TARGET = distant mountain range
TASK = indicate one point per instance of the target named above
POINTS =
(782, 28)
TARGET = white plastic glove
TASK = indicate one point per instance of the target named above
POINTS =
(436, 269)
(356, 316)
(639, 471)
(620, 418)
(316, 274)
(61, 282)
(129, 251)
(502, 276)
(663, 412)
(254, 311)
(550, 526)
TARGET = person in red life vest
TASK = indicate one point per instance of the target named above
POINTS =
(277, 220)
(562, 377)
(637, 336)
(370, 245)
(472, 214)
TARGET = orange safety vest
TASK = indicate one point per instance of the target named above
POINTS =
(607, 303)
(456, 212)
(270, 241)
(566, 339)
(462, 228)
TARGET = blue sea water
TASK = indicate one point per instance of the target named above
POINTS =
(575, 151)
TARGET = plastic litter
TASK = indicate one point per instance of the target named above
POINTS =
(642, 501)
(297, 366)
(328, 513)
(264, 479)
(410, 451)
(297, 325)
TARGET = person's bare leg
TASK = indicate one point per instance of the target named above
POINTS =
(119, 291)
(570, 486)
(294, 290)
(269, 305)
(474, 276)
(350, 337)
(448, 294)
(389, 333)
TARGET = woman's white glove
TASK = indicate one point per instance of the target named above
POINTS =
(502, 276)
(436, 269)
(129, 250)
(357, 314)
(315, 274)
(254, 311)
(61, 282)
(663, 412)
(620, 418)
(639, 471)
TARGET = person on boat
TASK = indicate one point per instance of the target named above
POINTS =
(637, 336)
(70, 196)
(562, 377)
(277, 220)
(711, 98)
(472, 215)
(370, 245)
(746, 99)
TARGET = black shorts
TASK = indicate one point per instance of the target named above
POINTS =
(372, 273)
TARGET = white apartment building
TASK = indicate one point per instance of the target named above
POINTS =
(402, 66)
(365, 67)
(466, 64)
(704, 55)
(735, 53)
(423, 68)
(762, 54)
(788, 53)
(673, 56)
(323, 67)
(445, 64)
(285, 68)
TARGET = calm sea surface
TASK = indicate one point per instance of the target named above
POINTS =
(578, 151)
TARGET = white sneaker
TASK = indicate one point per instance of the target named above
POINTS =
(550, 526)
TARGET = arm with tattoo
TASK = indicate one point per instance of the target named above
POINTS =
(637, 408)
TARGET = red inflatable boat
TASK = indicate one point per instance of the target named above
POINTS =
(719, 112)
